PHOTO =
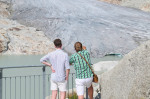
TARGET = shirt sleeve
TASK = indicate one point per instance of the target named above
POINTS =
(86, 51)
(88, 56)
(90, 60)
(67, 66)
(71, 60)
(45, 58)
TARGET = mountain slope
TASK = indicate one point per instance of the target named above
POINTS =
(19, 39)
(104, 28)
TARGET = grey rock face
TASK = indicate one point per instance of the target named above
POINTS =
(3, 10)
(19, 39)
(4, 40)
(130, 79)
(102, 27)
(139, 4)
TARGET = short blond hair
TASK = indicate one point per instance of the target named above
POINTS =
(78, 46)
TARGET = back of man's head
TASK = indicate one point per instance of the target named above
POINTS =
(57, 43)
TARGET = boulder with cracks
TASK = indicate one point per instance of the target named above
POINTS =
(130, 79)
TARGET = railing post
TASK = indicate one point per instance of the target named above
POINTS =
(99, 94)
(86, 93)
(1, 74)
(44, 93)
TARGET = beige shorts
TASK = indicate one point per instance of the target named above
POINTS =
(81, 84)
(61, 85)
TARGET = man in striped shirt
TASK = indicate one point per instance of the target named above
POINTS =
(59, 63)
(84, 75)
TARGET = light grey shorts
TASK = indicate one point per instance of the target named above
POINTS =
(61, 85)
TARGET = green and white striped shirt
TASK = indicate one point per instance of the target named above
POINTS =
(81, 67)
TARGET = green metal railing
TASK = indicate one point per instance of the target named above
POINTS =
(29, 86)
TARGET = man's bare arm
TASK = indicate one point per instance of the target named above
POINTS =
(67, 74)
(48, 64)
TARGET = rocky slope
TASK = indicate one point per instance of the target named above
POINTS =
(130, 78)
(19, 39)
(104, 28)
(139, 4)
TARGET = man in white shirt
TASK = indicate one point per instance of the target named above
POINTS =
(58, 61)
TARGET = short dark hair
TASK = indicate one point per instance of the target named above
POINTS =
(78, 46)
(57, 43)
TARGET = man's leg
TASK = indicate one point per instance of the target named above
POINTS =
(54, 89)
(81, 97)
(90, 92)
(63, 95)
(54, 94)
(63, 88)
